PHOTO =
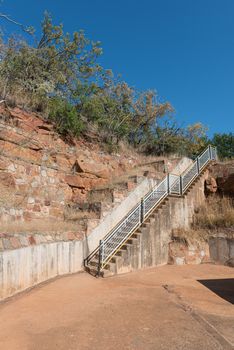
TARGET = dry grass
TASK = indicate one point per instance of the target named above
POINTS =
(39, 226)
(191, 236)
(72, 214)
(215, 213)
(130, 152)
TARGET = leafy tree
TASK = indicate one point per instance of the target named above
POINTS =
(225, 144)
(195, 139)
(147, 112)
(51, 68)
(121, 112)
(110, 107)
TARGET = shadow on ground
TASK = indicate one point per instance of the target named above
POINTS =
(224, 288)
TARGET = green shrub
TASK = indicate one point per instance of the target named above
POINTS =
(225, 145)
(65, 117)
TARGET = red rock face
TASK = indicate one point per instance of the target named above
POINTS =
(41, 173)
(224, 175)
(210, 185)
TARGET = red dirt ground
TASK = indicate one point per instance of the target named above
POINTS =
(159, 308)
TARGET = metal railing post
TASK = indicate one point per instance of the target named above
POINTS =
(99, 258)
(198, 167)
(181, 185)
(142, 211)
(210, 155)
(216, 153)
(213, 152)
(168, 183)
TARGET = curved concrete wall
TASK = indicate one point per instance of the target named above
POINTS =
(26, 267)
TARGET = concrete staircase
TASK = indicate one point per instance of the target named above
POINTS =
(146, 243)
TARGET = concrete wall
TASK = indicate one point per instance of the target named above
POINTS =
(221, 249)
(183, 164)
(26, 267)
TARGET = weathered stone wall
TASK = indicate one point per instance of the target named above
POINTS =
(40, 172)
(181, 253)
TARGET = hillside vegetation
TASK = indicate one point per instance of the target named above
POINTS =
(59, 75)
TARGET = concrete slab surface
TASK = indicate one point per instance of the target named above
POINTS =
(159, 308)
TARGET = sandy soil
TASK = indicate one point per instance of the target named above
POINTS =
(161, 308)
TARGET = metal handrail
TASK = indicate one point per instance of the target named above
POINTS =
(170, 185)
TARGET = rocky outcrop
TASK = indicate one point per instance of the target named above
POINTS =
(210, 186)
(44, 178)
(224, 176)
(40, 172)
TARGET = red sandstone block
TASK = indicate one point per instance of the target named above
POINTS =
(15, 242)
(37, 208)
(70, 236)
(56, 212)
(31, 240)
(47, 202)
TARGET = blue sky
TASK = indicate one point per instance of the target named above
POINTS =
(184, 49)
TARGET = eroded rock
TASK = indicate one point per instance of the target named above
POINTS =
(210, 185)
(224, 175)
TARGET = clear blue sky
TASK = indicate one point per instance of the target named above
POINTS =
(182, 48)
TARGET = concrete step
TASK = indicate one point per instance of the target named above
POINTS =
(91, 271)
(108, 273)
(109, 269)
(94, 263)
(136, 234)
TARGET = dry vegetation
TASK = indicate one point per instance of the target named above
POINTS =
(39, 226)
(216, 215)
(217, 212)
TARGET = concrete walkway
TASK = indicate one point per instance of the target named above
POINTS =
(160, 308)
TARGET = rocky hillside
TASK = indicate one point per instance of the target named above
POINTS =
(46, 181)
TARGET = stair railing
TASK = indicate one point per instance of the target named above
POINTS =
(170, 185)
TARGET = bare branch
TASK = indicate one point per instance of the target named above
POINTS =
(29, 30)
